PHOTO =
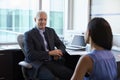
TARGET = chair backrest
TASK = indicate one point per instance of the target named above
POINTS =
(20, 39)
(24, 64)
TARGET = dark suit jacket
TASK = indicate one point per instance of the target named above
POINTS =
(34, 45)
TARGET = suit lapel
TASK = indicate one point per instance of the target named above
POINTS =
(39, 37)
(48, 38)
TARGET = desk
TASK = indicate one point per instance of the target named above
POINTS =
(77, 52)
(117, 55)
(9, 68)
(83, 52)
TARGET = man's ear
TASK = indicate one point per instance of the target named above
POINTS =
(35, 19)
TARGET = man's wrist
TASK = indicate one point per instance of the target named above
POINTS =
(49, 52)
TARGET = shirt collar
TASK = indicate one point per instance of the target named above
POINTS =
(40, 30)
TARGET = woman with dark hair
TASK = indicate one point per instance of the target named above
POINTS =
(100, 63)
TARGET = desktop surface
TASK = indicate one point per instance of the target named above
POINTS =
(78, 52)
(84, 52)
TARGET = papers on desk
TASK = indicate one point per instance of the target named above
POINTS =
(4, 47)
(78, 52)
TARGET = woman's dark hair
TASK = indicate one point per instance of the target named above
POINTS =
(101, 33)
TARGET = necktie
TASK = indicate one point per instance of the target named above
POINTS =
(45, 42)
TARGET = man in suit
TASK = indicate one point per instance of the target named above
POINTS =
(44, 50)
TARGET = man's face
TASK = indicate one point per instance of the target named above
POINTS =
(41, 21)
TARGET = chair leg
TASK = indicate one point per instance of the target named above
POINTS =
(25, 75)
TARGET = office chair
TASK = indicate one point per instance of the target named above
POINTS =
(25, 66)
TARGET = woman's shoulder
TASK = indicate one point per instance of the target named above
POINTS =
(86, 59)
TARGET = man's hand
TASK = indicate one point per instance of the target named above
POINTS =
(56, 52)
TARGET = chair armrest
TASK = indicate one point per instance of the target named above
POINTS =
(25, 64)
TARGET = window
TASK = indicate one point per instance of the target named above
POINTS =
(65, 16)
(56, 11)
(15, 18)
(108, 9)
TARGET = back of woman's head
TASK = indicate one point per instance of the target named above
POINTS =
(101, 33)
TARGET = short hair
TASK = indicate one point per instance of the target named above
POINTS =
(101, 33)
(40, 12)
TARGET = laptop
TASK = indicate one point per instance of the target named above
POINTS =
(77, 43)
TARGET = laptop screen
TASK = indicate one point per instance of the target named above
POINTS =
(78, 40)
